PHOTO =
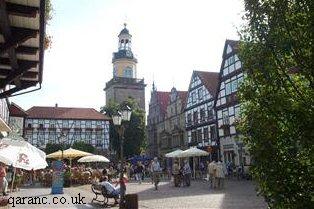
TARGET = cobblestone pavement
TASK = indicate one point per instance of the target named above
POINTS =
(235, 195)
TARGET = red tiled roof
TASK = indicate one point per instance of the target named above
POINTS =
(233, 43)
(163, 99)
(65, 113)
(16, 110)
(210, 80)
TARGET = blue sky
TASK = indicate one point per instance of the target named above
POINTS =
(171, 38)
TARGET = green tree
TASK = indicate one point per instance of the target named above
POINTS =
(278, 99)
(50, 148)
(79, 145)
(135, 138)
(83, 146)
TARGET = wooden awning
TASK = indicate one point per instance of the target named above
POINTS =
(22, 33)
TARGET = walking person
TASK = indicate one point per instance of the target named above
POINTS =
(202, 169)
(139, 172)
(3, 180)
(156, 169)
(221, 172)
(150, 167)
(176, 174)
(187, 173)
(212, 174)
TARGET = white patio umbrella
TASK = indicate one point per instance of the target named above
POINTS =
(174, 153)
(193, 152)
(21, 154)
(93, 158)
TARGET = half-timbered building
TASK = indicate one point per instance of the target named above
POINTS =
(48, 124)
(199, 111)
(228, 107)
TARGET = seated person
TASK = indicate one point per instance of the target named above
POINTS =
(112, 190)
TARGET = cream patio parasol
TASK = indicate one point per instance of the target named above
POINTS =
(93, 158)
(173, 153)
(68, 153)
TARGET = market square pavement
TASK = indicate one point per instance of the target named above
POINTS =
(235, 195)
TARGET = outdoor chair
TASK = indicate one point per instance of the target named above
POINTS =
(99, 190)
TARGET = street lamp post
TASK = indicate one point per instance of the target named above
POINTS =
(61, 141)
(124, 115)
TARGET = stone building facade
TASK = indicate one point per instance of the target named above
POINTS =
(125, 84)
(173, 134)
(48, 124)
(155, 120)
(228, 107)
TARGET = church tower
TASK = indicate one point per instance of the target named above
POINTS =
(125, 83)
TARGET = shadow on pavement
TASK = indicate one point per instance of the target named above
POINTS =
(234, 195)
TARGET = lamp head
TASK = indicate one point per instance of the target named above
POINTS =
(117, 119)
(126, 113)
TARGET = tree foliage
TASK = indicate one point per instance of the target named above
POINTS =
(50, 148)
(278, 99)
(48, 18)
(83, 146)
(135, 136)
(79, 145)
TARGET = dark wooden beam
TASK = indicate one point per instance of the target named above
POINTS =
(18, 36)
(24, 30)
(27, 74)
(21, 10)
(16, 89)
(6, 32)
(6, 61)
(26, 50)
(24, 65)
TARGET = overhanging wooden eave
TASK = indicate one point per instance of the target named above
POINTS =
(21, 44)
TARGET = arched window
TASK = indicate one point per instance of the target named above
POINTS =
(128, 72)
